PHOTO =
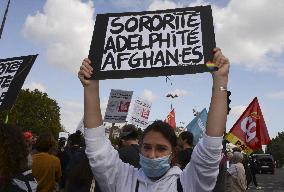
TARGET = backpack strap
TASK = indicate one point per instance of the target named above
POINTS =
(25, 178)
(137, 186)
(179, 186)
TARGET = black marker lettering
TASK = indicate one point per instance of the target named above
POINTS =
(133, 27)
(119, 25)
(170, 57)
(168, 19)
(145, 22)
(148, 58)
(120, 58)
(136, 63)
(109, 61)
(110, 45)
(186, 52)
(160, 58)
(198, 53)
(121, 43)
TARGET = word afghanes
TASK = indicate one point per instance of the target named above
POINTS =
(153, 40)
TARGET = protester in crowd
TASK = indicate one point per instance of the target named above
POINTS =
(236, 177)
(28, 137)
(229, 156)
(61, 147)
(253, 170)
(185, 141)
(74, 143)
(129, 149)
(46, 167)
(157, 144)
(221, 179)
(15, 175)
(80, 176)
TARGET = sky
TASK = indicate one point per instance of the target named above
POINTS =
(249, 32)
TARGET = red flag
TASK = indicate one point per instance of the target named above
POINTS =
(249, 132)
(171, 119)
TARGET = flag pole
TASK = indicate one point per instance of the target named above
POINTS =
(4, 19)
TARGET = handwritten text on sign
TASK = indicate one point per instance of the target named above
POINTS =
(8, 69)
(141, 112)
(118, 106)
(153, 40)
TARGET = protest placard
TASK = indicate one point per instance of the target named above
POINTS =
(152, 43)
(118, 106)
(13, 72)
(141, 112)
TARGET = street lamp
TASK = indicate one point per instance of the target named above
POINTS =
(170, 95)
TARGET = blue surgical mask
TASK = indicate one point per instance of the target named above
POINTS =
(155, 167)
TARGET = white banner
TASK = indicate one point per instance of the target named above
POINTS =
(141, 112)
(118, 106)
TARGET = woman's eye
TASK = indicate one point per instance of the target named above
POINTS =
(162, 149)
(147, 147)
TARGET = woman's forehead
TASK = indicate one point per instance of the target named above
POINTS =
(155, 138)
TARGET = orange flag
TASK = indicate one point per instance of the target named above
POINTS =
(249, 133)
(171, 119)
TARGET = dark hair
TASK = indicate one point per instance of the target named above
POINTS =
(236, 149)
(128, 132)
(80, 176)
(188, 136)
(13, 151)
(165, 129)
(76, 139)
(45, 142)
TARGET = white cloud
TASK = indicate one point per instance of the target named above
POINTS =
(179, 92)
(34, 85)
(104, 103)
(237, 111)
(71, 114)
(64, 28)
(148, 95)
(163, 4)
(276, 95)
(250, 31)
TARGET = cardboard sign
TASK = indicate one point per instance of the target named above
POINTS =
(118, 106)
(152, 43)
(141, 112)
(13, 72)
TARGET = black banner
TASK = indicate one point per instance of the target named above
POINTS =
(13, 72)
(152, 43)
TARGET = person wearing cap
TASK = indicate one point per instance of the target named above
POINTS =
(129, 148)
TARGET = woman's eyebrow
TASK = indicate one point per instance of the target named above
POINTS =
(159, 145)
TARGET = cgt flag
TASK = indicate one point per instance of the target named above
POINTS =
(249, 133)
(171, 119)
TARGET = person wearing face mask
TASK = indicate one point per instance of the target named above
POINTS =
(157, 144)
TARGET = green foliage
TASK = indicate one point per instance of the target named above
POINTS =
(276, 148)
(36, 112)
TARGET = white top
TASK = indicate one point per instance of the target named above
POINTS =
(115, 176)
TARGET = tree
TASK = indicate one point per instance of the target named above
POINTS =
(276, 148)
(36, 112)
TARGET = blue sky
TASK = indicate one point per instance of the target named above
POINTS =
(251, 34)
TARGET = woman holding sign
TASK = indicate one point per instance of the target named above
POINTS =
(157, 145)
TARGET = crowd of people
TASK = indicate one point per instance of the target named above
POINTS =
(157, 160)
